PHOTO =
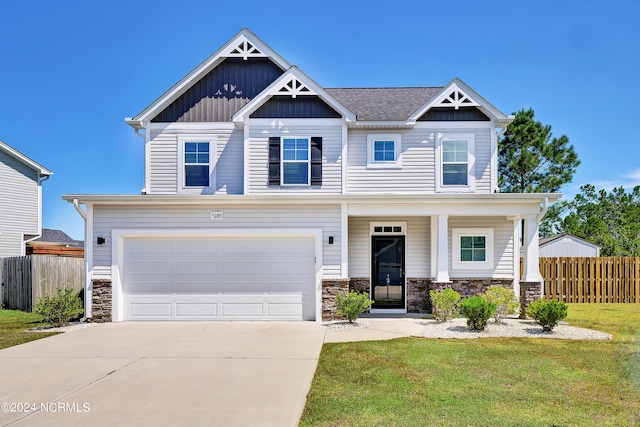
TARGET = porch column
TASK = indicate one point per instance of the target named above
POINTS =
(441, 225)
(516, 255)
(531, 265)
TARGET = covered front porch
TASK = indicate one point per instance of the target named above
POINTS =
(398, 252)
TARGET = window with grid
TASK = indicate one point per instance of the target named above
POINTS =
(295, 161)
(455, 162)
(196, 164)
(473, 248)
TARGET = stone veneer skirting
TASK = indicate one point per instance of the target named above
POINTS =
(101, 301)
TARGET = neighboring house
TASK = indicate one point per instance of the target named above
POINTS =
(568, 245)
(20, 200)
(265, 194)
(55, 242)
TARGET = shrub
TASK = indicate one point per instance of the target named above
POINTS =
(57, 310)
(444, 304)
(504, 299)
(547, 313)
(352, 304)
(477, 311)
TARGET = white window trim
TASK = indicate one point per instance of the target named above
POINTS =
(374, 224)
(282, 161)
(213, 158)
(397, 145)
(457, 264)
(471, 180)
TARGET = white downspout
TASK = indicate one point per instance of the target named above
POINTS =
(144, 137)
(39, 235)
(543, 212)
(88, 290)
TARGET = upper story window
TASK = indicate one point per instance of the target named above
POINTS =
(197, 158)
(295, 161)
(455, 158)
(384, 151)
(196, 164)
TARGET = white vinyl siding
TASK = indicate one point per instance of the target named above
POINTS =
(259, 155)
(417, 261)
(502, 266)
(164, 157)
(107, 218)
(415, 176)
(569, 247)
(418, 172)
(19, 205)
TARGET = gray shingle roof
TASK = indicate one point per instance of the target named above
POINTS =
(385, 104)
(56, 236)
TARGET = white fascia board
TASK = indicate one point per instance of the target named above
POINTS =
(24, 159)
(372, 124)
(274, 88)
(191, 126)
(483, 104)
(509, 203)
(201, 70)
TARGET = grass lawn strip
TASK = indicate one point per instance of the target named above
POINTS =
(488, 382)
(14, 327)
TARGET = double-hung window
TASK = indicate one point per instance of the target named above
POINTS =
(383, 151)
(296, 169)
(455, 155)
(197, 159)
(472, 248)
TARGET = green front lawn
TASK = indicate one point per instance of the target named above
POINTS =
(14, 325)
(485, 382)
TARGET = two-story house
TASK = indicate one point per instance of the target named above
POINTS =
(20, 200)
(265, 194)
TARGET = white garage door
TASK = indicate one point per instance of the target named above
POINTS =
(219, 278)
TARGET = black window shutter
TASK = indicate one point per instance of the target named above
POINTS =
(274, 160)
(316, 160)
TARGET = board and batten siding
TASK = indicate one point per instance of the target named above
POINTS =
(417, 241)
(106, 218)
(164, 162)
(19, 204)
(418, 171)
(502, 246)
(568, 246)
(331, 155)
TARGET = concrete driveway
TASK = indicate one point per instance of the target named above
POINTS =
(162, 373)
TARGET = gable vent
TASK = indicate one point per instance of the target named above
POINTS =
(295, 87)
(245, 49)
(456, 98)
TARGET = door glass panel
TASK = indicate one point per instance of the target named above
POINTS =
(388, 272)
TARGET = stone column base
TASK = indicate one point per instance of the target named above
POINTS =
(101, 301)
(529, 292)
(331, 288)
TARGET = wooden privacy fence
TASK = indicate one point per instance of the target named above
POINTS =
(26, 279)
(601, 279)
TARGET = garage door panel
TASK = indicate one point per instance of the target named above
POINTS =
(219, 278)
(197, 310)
(205, 288)
(195, 268)
(146, 310)
(149, 288)
(148, 267)
(242, 309)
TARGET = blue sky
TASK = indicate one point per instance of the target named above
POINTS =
(71, 71)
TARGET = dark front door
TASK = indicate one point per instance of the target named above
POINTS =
(387, 284)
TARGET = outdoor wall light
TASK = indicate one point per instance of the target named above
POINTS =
(331, 240)
(100, 241)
